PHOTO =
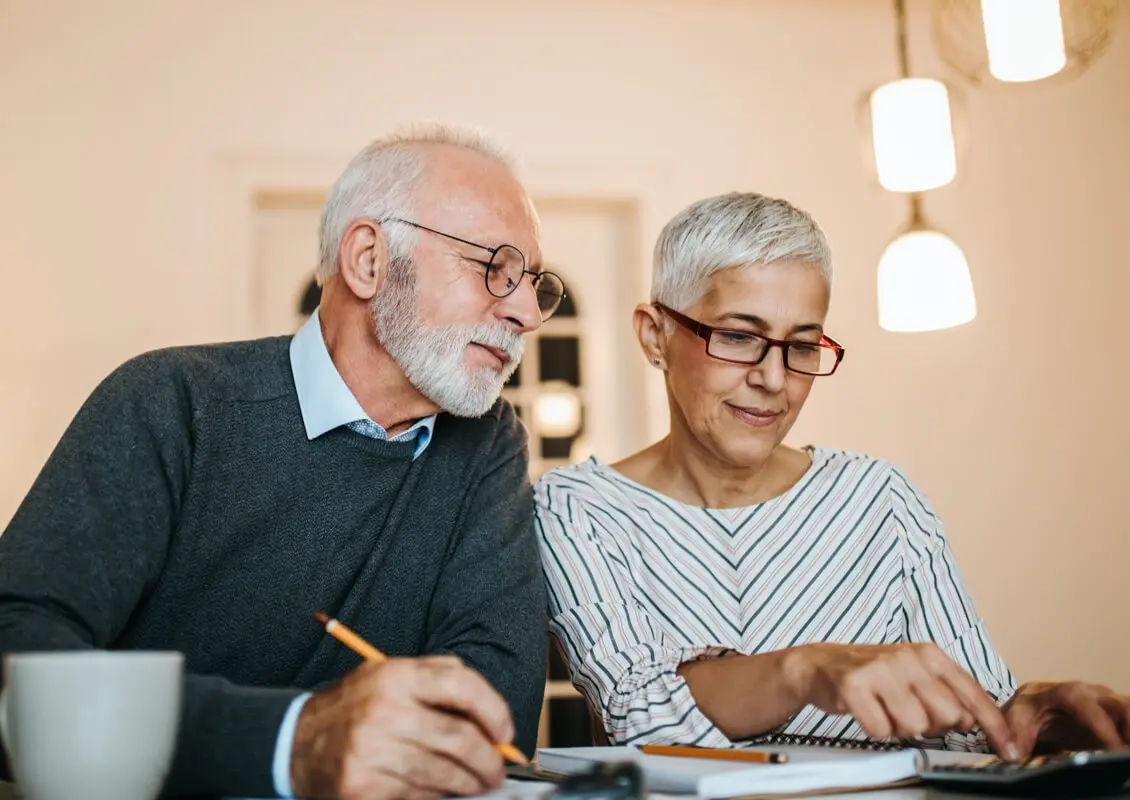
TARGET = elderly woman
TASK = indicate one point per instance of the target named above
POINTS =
(720, 586)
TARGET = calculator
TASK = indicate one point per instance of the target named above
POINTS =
(1079, 774)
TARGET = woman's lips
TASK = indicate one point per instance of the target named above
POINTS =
(755, 416)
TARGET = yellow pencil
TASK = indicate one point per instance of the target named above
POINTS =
(754, 756)
(343, 634)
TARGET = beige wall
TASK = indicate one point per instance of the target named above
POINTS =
(119, 122)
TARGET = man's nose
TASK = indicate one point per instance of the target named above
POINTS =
(520, 307)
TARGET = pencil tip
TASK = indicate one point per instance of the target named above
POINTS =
(512, 753)
(322, 618)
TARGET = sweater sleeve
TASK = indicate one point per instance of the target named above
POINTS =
(936, 606)
(88, 544)
(618, 658)
(489, 605)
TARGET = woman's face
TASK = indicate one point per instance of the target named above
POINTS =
(738, 412)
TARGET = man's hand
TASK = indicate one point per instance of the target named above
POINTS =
(900, 690)
(408, 728)
(1049, 716)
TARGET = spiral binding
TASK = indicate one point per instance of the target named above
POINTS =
(826, 741)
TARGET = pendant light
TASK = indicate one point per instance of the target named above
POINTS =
(1009, 42)
(924, 281)
(923, 278)
(911, 126)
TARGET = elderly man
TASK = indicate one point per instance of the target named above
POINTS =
(208, 499)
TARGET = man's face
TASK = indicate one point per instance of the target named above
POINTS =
(456, 342)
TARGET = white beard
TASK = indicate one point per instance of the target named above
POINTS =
(432, 356)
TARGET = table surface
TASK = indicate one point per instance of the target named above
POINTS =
(527, 790)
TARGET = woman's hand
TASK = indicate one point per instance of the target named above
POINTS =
(899, 690)
(1048, 716)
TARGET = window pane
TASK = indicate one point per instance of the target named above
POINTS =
(560, 358)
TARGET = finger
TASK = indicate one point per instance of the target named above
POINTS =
(395, 787)
(1086, 710)
(905, 710)
(1025, 721)
(459, 740)
(944, 710)
(428, 772)
(445, 684)
(390, 769)
(895, 693)
(917, 666)
(984, 711)
(865, 708)
(1118, 709)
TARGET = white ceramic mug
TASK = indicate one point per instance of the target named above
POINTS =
(91, 725)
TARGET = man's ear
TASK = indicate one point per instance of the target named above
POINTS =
(364, 257)
(648, 323)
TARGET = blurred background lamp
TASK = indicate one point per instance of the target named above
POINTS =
(1011, 42)
(924, 280)
(912, 135)
(557, 410)
(1024, 39)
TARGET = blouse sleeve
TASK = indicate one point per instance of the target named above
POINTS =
(936, 606)
(618, 658)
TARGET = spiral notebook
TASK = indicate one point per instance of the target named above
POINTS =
(814, 766)
(802, 740)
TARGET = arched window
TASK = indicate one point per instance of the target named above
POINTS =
(547, 389)
(311, 296)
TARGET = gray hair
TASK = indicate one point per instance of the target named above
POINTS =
(727, 231)
(379, 182)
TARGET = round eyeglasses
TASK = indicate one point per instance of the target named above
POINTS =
(504, 270)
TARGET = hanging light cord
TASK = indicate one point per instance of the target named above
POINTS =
(903, 51)
(900, 39)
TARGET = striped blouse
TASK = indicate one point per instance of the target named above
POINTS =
(640, 583)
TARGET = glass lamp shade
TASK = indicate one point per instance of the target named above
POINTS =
(1011, 42)
(1024, 39)
(913, 148)
(924, 283)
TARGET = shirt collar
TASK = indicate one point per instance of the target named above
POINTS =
(325, 401)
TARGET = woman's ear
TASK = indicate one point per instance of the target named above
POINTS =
(364, 257)
(649, 324)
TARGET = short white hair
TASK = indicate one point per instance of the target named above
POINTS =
(727, 231)
(379, 182)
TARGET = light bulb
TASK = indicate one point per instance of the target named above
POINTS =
(912, 135)
(924, 284)
(557, 410)
(1024, 39)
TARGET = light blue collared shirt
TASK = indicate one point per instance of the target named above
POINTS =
(326, 404)
(325, 400)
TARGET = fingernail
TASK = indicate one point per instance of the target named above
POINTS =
(1012, 751)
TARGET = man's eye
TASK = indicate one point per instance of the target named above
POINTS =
(489, 267)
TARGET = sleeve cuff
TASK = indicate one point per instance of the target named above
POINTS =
(284, 746)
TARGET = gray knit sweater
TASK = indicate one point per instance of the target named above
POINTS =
(185, 509)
